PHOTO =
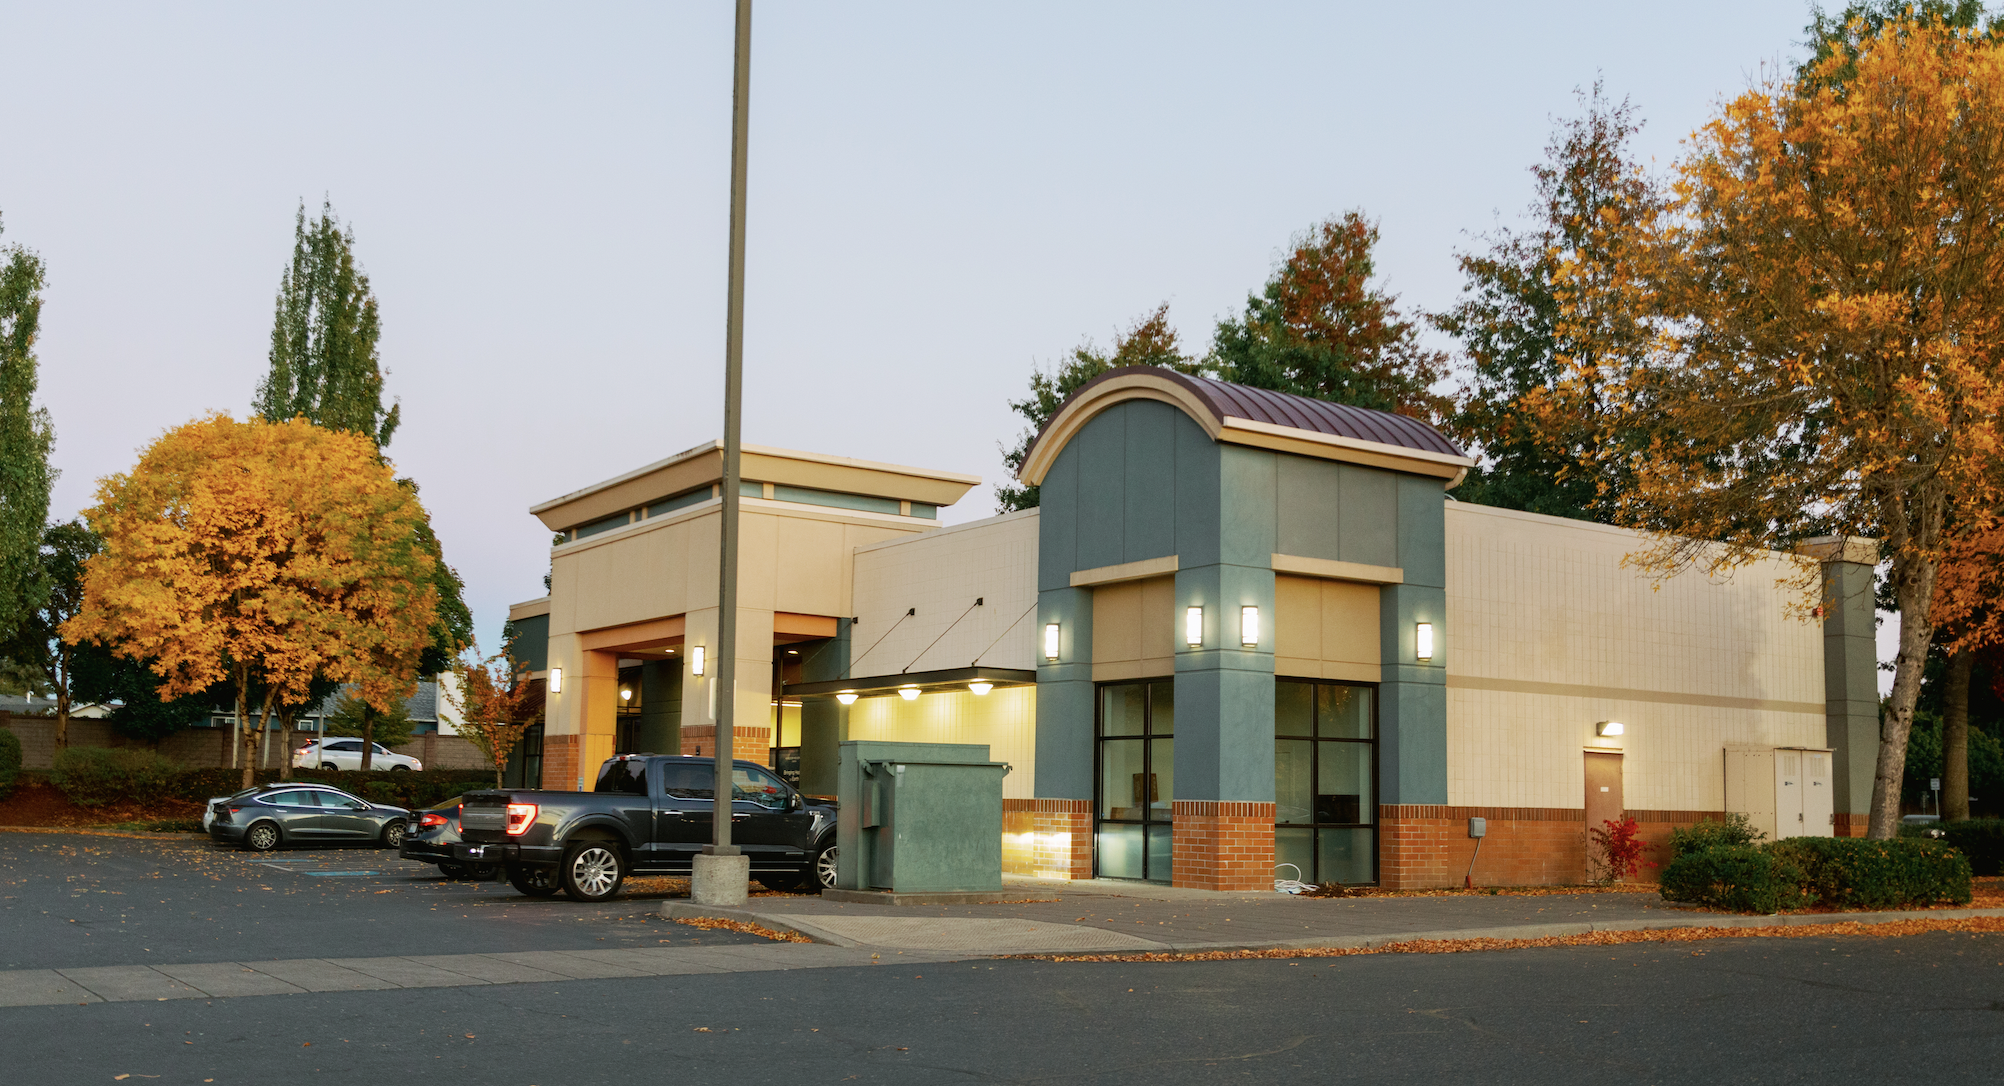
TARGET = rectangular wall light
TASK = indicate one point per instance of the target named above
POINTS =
(1608, 727)
(1249, 627)
(1051, 641)
(1423, 642)
(556, 680)
(1193, 627)
(697, 658)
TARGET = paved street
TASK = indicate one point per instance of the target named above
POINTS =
(387, 973)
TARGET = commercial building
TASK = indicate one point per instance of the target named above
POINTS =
(1244, 629)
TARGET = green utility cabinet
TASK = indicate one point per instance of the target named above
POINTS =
(919, 818)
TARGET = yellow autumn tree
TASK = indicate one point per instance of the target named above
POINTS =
(260, 553)
(1826, 292)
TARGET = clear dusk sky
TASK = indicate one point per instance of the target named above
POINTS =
(942, 197)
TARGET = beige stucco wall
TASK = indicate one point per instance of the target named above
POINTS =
(1004, 719)
(1546, 634)
(941, 574)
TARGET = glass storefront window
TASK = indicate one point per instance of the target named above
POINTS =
(1325, 780)
(1136, 780)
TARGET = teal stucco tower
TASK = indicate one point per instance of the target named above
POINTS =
(1208, 552)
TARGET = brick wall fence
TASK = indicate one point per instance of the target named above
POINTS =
(204, 748)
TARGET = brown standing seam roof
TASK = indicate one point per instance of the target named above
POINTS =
(1227, 400)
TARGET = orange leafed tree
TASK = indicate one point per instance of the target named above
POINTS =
(498, 701)
(261, 554)
(1825, 291)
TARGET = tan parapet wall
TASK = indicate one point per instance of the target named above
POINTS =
(1547, 634)
(939, 575)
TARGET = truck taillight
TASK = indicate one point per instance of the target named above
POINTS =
(520, 817)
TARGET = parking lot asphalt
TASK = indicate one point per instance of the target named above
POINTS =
(71, 900)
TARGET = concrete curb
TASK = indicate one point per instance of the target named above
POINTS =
(793, 923)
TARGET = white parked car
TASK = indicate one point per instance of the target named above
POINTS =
(340, 753)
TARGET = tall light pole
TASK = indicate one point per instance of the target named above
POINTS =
(722, 872)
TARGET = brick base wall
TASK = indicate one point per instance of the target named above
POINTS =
(749, 742)
(1047, 838)
(1423, 846)
(1223, 846)
(1846, 824)
(560, 760)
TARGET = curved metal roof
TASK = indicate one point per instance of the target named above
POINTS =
(1226, 400)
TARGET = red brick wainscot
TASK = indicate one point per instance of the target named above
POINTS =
(1047, 838)
(1223, 846)
(1846, 824)
(560, 761)
(1423, 846)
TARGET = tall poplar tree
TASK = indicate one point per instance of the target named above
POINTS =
(324, 365)
(25, 439)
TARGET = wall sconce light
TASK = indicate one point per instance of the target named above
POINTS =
(1423, 642)
(1051, 641)
(909, 693)
(1193, 627)
(556, 680)
(846, 698)
(980, 688)
(626, 694)
(697, 655)
(1608, 727)
(1249, 627)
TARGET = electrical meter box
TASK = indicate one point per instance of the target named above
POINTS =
(1783, 791)
(919, 818)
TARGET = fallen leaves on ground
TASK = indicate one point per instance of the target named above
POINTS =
(713, 923)
(1891, 929)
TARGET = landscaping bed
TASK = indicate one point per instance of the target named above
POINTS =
(36, 802)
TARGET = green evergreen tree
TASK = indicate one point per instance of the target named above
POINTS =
(1149, 342)
(1526, 308)
(26, 437)
(38, 642)
(324, 365)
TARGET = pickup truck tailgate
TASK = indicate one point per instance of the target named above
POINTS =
(484, 818)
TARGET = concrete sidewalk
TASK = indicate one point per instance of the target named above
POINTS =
(1051, 917)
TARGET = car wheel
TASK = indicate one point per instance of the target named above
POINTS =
(400, 769)
(330, 767)
(592, 870)
(262, 837)
(533, 881)
(484, 872)
(452, 869)
(824, 867)
(393, 834)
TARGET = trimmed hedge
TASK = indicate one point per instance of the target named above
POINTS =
(95, 776)
(399, 788)
(1980, 839)
(1734, 829)
(1854, 873)
(10, 761)
(1739, 878)
(1842, 872)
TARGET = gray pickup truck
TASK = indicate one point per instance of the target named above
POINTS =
(648, 815)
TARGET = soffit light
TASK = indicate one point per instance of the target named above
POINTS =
(626, 695)
(1050, 641)
(1193, 627)
(1608, 727)
(846, 697)
(1249, 627)
(909, 693)
(1423, 642)
(980, 688)
(696, 659)
(556, 680)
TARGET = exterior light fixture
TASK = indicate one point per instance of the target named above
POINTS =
(1423, 642)
(626, 694)
(1051, 641)
(556, 680)
(846, 697)
(696, 661)
(1608, 727)
(1193, 627)
(980, 688)
(1249, 627)
(909, 693)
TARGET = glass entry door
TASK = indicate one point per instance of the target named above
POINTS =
(1137, 775)
(1325, 778)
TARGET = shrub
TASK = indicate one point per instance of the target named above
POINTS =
(1621, 848)
(405, 789)
(1732, 830)
(95, 776)
(10, 761)
(1854, 873)
(1980, 839)
(1741, 878)
(383, 792)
